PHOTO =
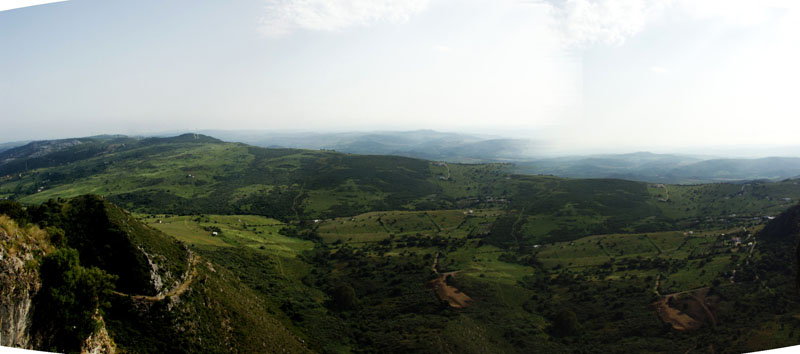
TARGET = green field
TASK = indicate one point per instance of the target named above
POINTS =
(684, 261)
(235, 230)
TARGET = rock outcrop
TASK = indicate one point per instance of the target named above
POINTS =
(99, 342)
(19, 280)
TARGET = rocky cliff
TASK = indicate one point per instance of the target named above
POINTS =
(20, 251)
(99, 281)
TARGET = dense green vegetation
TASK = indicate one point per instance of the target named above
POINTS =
(232, 247)
(165, 299)
(70, 303)
(108, 238)
(194, 174)
(370, 291)
(68, 306)
(217, 314)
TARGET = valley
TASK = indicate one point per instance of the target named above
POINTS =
(349, 253)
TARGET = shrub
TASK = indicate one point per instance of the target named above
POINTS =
(71, 295)
(344, 297)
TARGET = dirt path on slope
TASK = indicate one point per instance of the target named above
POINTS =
(294, 201)
(446, 292)
(438, 227)
(280, 265)
(177, 290)
(679, 320)
(435, 266)
(658, 284)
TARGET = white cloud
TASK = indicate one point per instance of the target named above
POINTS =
(582, 23)
(286, 16)
(609, 22)
(15, 4)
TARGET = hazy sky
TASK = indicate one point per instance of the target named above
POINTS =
(581, 75)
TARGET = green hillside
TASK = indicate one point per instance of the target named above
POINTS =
(145, 261)
(194, 174)
(230, 247)
(191, 176)
(109, 273)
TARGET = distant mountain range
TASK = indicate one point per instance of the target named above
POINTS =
(665, 168)
(11, 145)
(464, 148)
(455, 147)
(424, 144)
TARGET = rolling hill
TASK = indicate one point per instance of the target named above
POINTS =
(455, 147)
(424, 144)
(230, 247)
(191, 174)
(10, 145)
(664, 168)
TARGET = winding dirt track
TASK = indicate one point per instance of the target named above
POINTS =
(177, 290)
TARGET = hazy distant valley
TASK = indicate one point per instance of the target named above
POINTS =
(526, 155)
(522, 153)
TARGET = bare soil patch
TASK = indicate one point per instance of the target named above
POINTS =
(687, 310)
(449, 293)
(445, 291)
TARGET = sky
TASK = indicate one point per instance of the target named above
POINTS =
(576, 75)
